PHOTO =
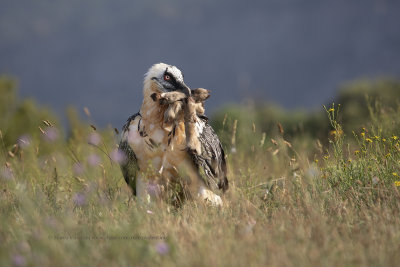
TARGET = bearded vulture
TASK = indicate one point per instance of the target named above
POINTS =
(157, 154)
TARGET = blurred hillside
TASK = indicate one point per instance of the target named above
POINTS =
(361, 104)
(22, 121)
(295, 53)
(358, 102)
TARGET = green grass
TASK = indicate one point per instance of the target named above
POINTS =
(291, 202)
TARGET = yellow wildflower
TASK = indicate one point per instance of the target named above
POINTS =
(376, 137)
(384, 139)
(388, 155)
(395, 174)
(356, 152)
(336, 133)
(363, 134)
(368, 140)
(395, 137)
(316, 161)
(331, 110)
(397, 183)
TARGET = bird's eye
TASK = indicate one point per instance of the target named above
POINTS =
(167, 77)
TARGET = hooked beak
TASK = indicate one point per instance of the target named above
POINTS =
(184, 89)
(178, 86)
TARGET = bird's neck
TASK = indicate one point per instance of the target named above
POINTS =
(152, 112)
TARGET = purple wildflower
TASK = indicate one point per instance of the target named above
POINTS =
(6, 173)
(24, 141)
(18, 260)
(153, 189)
(79, 199)
(118, 156)
(94, 160)
(50, 134)
(161, 247)
(94, 139)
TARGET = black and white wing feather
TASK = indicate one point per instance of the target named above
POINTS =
(211, 162)
(130, 167)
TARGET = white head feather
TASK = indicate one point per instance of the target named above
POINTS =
(157, 71)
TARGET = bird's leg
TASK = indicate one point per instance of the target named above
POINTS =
(209, 196)
(196, 186)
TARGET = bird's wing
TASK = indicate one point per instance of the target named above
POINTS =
(211, 162)
(130, 166)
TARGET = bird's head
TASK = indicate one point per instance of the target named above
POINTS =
(163, 78)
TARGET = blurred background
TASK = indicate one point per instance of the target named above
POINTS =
(295, 53)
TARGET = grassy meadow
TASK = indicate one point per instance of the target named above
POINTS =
(306, 188)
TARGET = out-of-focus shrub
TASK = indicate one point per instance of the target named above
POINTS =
(359, 101)
(21, 119)
(365, 100)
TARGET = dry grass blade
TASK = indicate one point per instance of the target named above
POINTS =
(280, 128)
